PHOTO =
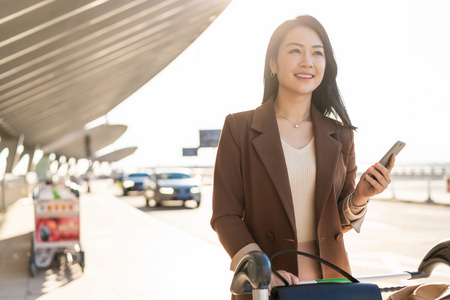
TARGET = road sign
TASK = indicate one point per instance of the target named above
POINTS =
(209, 138)
(190, 151)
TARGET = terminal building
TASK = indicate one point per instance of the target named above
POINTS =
(65, 64)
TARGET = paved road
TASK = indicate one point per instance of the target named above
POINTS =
(134, 251)
(394, 238)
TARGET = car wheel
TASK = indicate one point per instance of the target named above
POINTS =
(125, 192)
(33, 266)
(82, 262)
(149, 201)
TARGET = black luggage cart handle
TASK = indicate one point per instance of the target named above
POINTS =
(252, 275)
(254, 271)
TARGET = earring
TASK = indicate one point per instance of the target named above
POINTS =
(272, 74)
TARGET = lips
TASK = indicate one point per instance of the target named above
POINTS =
(304, 76)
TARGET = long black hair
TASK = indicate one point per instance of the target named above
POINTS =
(326, 97)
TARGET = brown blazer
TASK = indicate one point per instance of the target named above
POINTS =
(252, 202)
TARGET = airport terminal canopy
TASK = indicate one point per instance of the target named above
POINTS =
(64, 64)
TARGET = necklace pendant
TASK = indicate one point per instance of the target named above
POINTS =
(296, 125)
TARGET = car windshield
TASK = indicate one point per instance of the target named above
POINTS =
(138, 175)
(172, 176)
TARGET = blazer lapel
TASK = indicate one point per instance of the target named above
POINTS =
(327, 155)
(268, 146)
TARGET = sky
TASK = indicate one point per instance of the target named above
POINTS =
(393, 72)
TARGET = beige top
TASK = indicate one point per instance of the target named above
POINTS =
(301, 166)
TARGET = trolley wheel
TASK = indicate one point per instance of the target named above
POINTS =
(32, 262)
(82, 262)
(61, 260)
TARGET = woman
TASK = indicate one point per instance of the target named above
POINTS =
(285, 172)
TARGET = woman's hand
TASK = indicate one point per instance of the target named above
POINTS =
(370, 186)
(276, 281)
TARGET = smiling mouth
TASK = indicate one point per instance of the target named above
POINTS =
(307, 76)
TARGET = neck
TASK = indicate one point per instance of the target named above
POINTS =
(295, 109)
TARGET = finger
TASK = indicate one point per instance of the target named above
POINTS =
(273, 282)
(294, 279)
(374, 180)
(391, 163)
(287, 276)
(384, 172)
(376, 174)
(276, 281)
(380, 174)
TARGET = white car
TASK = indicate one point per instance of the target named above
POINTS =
(175, 185)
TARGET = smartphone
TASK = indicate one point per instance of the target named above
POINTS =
(398, 146)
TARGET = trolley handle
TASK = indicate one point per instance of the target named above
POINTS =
(252, 273)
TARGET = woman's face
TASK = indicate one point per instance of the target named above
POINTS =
(300, 64)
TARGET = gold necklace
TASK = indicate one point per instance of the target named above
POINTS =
(292, 122)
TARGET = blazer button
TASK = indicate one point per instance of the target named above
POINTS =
(339, 236)
(270, 236)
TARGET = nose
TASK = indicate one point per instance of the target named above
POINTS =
(306, 60)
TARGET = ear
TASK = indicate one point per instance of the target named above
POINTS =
(273, 66)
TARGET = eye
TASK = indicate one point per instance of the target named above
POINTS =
(319, 53)
(295, 51)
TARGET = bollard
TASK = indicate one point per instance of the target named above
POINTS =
(448, 185)
(429, 200)
(393, 189)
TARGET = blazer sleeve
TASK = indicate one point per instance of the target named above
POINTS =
(228, 192)
(349, 183)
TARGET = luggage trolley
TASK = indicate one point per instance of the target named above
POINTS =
(57, 227)
(252, 275)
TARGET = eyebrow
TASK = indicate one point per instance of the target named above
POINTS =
(301, 45)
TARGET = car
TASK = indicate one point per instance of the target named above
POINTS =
(177, 184)
(139, 182)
